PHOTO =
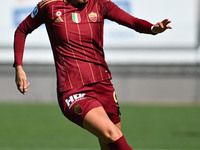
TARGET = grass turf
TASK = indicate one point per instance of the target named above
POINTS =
(42, 126)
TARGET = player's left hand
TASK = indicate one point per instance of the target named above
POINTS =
(161, 26)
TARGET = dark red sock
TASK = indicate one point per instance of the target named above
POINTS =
(120, 144)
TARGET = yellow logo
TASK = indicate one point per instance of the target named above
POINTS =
(93, 16)
(115, 97)
(59, 19)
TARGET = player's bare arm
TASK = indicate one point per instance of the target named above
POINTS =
(161, 26)
(21, 80)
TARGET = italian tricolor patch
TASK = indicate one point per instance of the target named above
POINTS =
(76, 17)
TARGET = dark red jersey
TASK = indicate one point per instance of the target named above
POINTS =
(76, 37)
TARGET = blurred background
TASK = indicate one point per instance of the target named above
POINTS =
(145, 68)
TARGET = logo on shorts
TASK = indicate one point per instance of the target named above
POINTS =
(74, 98)
(115, 97)
(78, 109)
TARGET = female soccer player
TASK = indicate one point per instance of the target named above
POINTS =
(85, 93)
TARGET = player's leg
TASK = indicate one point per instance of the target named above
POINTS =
(105, 146)
(98, 123)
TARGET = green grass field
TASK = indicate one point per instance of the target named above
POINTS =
(43, 127)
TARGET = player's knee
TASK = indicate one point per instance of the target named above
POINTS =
(112, 134)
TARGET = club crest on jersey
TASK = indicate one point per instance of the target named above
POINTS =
(93, 16)
(76, 17)
(34, 12)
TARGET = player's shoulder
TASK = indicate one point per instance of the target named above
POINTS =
(46, 3)
(103, 2)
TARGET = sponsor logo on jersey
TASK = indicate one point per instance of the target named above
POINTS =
(93, 16)
(76, 17)
(58, 15)
(59, 19)
(74, 98)
(34, 12)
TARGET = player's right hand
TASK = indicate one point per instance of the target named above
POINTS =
(21, 80)
(161, 26)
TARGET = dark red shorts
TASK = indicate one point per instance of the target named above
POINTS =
(76, 103)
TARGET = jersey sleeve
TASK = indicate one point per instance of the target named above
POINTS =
(32, 21)
(114, 13)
